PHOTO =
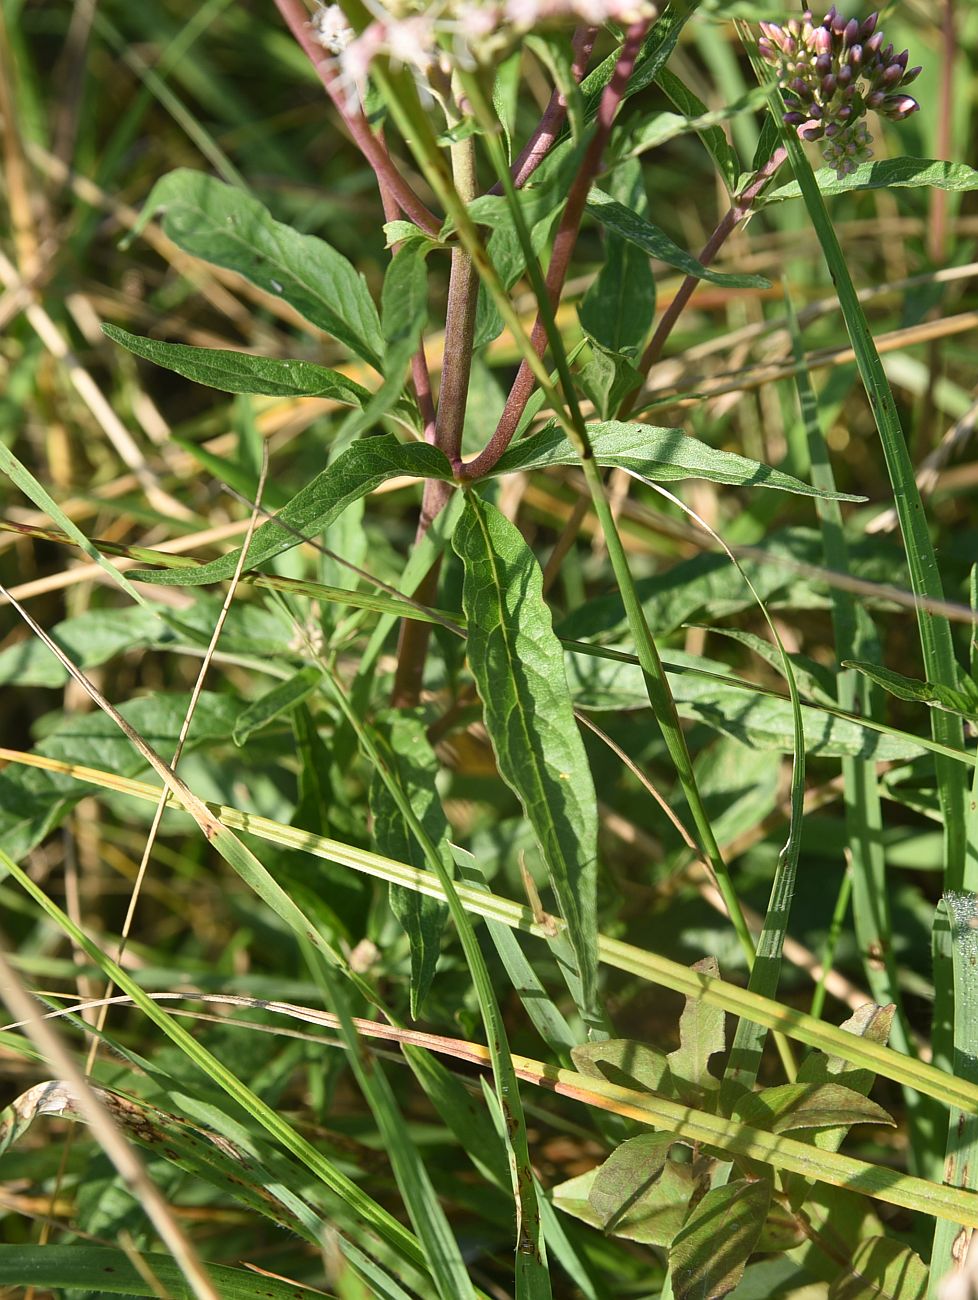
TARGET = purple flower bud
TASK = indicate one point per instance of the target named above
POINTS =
(869, 26)
(815, 111)
(794, 119)
(823, 64)
(854, 56)
(810, 131)
(886, 56)
(891, 75)
(844, 113)
(874, 42)
(801, 88)
(851, 32)
(912, 75)
(903, 58)
(845, 75)
(897, 107)
(875, 98)
(829, 18)
(822, 41)
(829, 87)
(766, 50)
(832, 129)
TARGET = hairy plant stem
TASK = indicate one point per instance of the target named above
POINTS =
(373, 149)
(741, 208)
(554, 116)
(463, 294)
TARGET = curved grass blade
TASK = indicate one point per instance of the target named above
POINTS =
(102, 1271)
(518, 667)
(935, 632)
(413, 765)
(622, 956)
(532, 1277)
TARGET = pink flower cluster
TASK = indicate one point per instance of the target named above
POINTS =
(408, 32)
(831, 75)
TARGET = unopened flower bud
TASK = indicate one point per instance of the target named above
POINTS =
(897, 107)
(869, 26)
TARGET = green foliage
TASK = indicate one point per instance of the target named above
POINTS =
(484, 757)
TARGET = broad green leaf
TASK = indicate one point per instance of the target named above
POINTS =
(243, 372)
(653, 1218)
(628, 1175)
(888, 173)
(656, 243)
(222, 225)
(791, 1106)
(103, 1271)
(282, 698)
(964, 702)
(518, 667)
(353, 474)
(413, 765)
(33, 801)
(88, 640)
(709, 1254)
(701, 1036)
(882, 1269)
(626, 1062)
(653, 454)
(704, 692)
(617, 310)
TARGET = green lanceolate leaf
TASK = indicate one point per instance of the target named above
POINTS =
(704, 692)
(517, 663)
(617, 310)
(626, 1062)
(243, 372)
(792, 1106)
(888, 173)
(708, 124)
(353, 474)
(620, 1193)
(708, 1256)
(89, 639)
(282, 698)
(639, 1196)
(653, 454)
(413, 765)
(882, 1269)
(701, 1036)
(656, 243)
(99, 1270)
(220, 224)
(33, 802)
(964, 702)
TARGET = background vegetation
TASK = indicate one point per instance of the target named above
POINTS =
(297, 1155)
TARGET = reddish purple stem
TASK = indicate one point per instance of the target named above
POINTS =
(741, 208)
(554, 116)
(563, 249)
(363, 137)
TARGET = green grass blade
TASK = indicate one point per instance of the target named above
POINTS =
(934, 629)
(103, 1271)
